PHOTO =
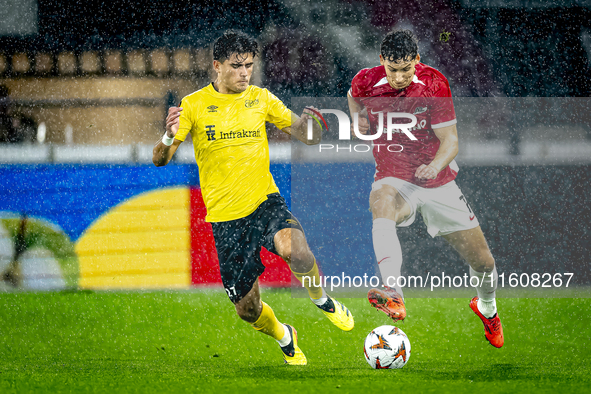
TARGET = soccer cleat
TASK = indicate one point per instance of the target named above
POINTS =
(388, 301)
(292, 354)
(338, 314)
(493, 329)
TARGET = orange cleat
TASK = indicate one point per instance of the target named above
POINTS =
(388, 301)
(493, 329)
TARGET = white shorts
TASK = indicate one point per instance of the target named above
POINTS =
(445, 210)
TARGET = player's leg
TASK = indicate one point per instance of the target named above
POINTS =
(446, 212)
(285, 237)
(471, 245)
(237, 245)
(253, 310)
(291, 245)
(389, 209)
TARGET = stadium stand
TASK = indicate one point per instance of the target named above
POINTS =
(313, 50)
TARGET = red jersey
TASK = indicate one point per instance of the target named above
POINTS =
(428, 98)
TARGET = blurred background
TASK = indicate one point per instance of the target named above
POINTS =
(104, 72)
(85, 86)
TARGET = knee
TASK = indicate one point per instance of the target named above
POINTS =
(382, 201)
(388, 203)
(301, 259)
(301, 252)
(297, 253)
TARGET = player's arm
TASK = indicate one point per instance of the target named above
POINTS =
(448, 149)
(162, 153)
(299, 127)
(354, 107)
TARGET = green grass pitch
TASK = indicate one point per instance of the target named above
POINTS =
(193, 342)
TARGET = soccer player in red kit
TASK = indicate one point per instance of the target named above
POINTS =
(417, 175)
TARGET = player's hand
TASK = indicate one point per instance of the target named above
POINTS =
(307, 114)
(363, 125)
(172, 121)
(426, 172)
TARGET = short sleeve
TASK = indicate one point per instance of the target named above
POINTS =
(185, 121)
(358, 83)
(443, 113)
(278, 113)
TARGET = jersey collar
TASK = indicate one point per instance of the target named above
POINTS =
(228, 96)
(384, 81)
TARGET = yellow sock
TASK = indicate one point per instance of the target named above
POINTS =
(312, 277)
(268, 324)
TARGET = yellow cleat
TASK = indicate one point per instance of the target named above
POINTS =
(338, 314)
(292, 354)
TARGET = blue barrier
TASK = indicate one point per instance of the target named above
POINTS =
(73, 196)
(536, 218)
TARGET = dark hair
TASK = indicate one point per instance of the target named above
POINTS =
(231, 42)
(399, 45)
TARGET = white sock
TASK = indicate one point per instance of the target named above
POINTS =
(286, 337)
(486, 292)
(320, 301)
(388, 251)
(488, 308)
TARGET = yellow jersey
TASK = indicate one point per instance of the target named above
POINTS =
(231, 147)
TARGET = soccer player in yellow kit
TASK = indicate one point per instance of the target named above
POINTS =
(226, 120)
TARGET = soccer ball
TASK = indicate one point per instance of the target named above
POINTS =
(387, 347)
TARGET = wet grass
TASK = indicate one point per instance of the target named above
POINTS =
(193, 342)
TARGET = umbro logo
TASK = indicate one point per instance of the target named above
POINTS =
(419, 110)
(212, 108)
